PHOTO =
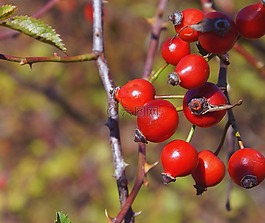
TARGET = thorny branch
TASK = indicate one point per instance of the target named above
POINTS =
(155, 34)
(113, 117)
(55, 58)
(143, 167)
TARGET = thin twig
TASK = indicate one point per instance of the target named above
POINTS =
(220, 146)
(230, 150)
(137, 185)
(156, 30)
(56, 58)
(222, 84)
(141, 175)
(113, 117)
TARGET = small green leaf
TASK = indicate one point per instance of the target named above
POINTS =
(35, 28)
(6, 11)
(62, 218)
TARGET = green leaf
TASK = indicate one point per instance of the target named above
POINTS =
(35, 28)
(62, 218)
(6, 11)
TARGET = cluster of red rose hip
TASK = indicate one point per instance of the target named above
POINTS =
(204, 103)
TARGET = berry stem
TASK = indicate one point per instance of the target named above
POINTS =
(169, 96)
(156, 74)
(220, 146)
(191, 133)
(179, 109)
(222, 84)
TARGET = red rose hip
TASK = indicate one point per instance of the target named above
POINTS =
(179, 158)
(246, 167)
(196, 102)
(209, 172)
(192, 71)
(157, 121)
(250, 21)
(135, 94)
(173, 49)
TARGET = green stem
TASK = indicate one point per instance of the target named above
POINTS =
(191, 132)
(180, 108)
(155, 75)
(223, 138)
(169, 96)
(55, 58)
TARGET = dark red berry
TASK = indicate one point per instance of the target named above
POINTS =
(192, 71)
(182, 21)
(250, 21)
(218, 33)
(198, 101)
(133, 95)
(209, 172)
(246, 167)
(173, 49)
(157, 120)
(179, 158)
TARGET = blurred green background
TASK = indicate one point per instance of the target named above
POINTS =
(54, 147)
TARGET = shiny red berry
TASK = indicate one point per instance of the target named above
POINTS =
(157, 120)
(199, 102)
(179, 158)
(246, 167)
(209, 172)
(218, 33)
(173, 49)
(133, 95)
(182, 21)
(192, 71)
(250, 21)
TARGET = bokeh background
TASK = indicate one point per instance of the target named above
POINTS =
(54, 147)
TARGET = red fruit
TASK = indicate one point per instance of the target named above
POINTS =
(196, 102)
(218, 33)
(88, 11)
(192, 71)
(173, 49)
(179, 158)
(135, 94)
(246, 167)
(182, 23)
(250, 21)
(209, 172)
(157, 120)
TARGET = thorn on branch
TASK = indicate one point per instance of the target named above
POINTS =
(110, 219)
(148, 167)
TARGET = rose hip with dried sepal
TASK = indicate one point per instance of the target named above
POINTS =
(246, 167)
(209, 172)
(179, 158)
(201, 105)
